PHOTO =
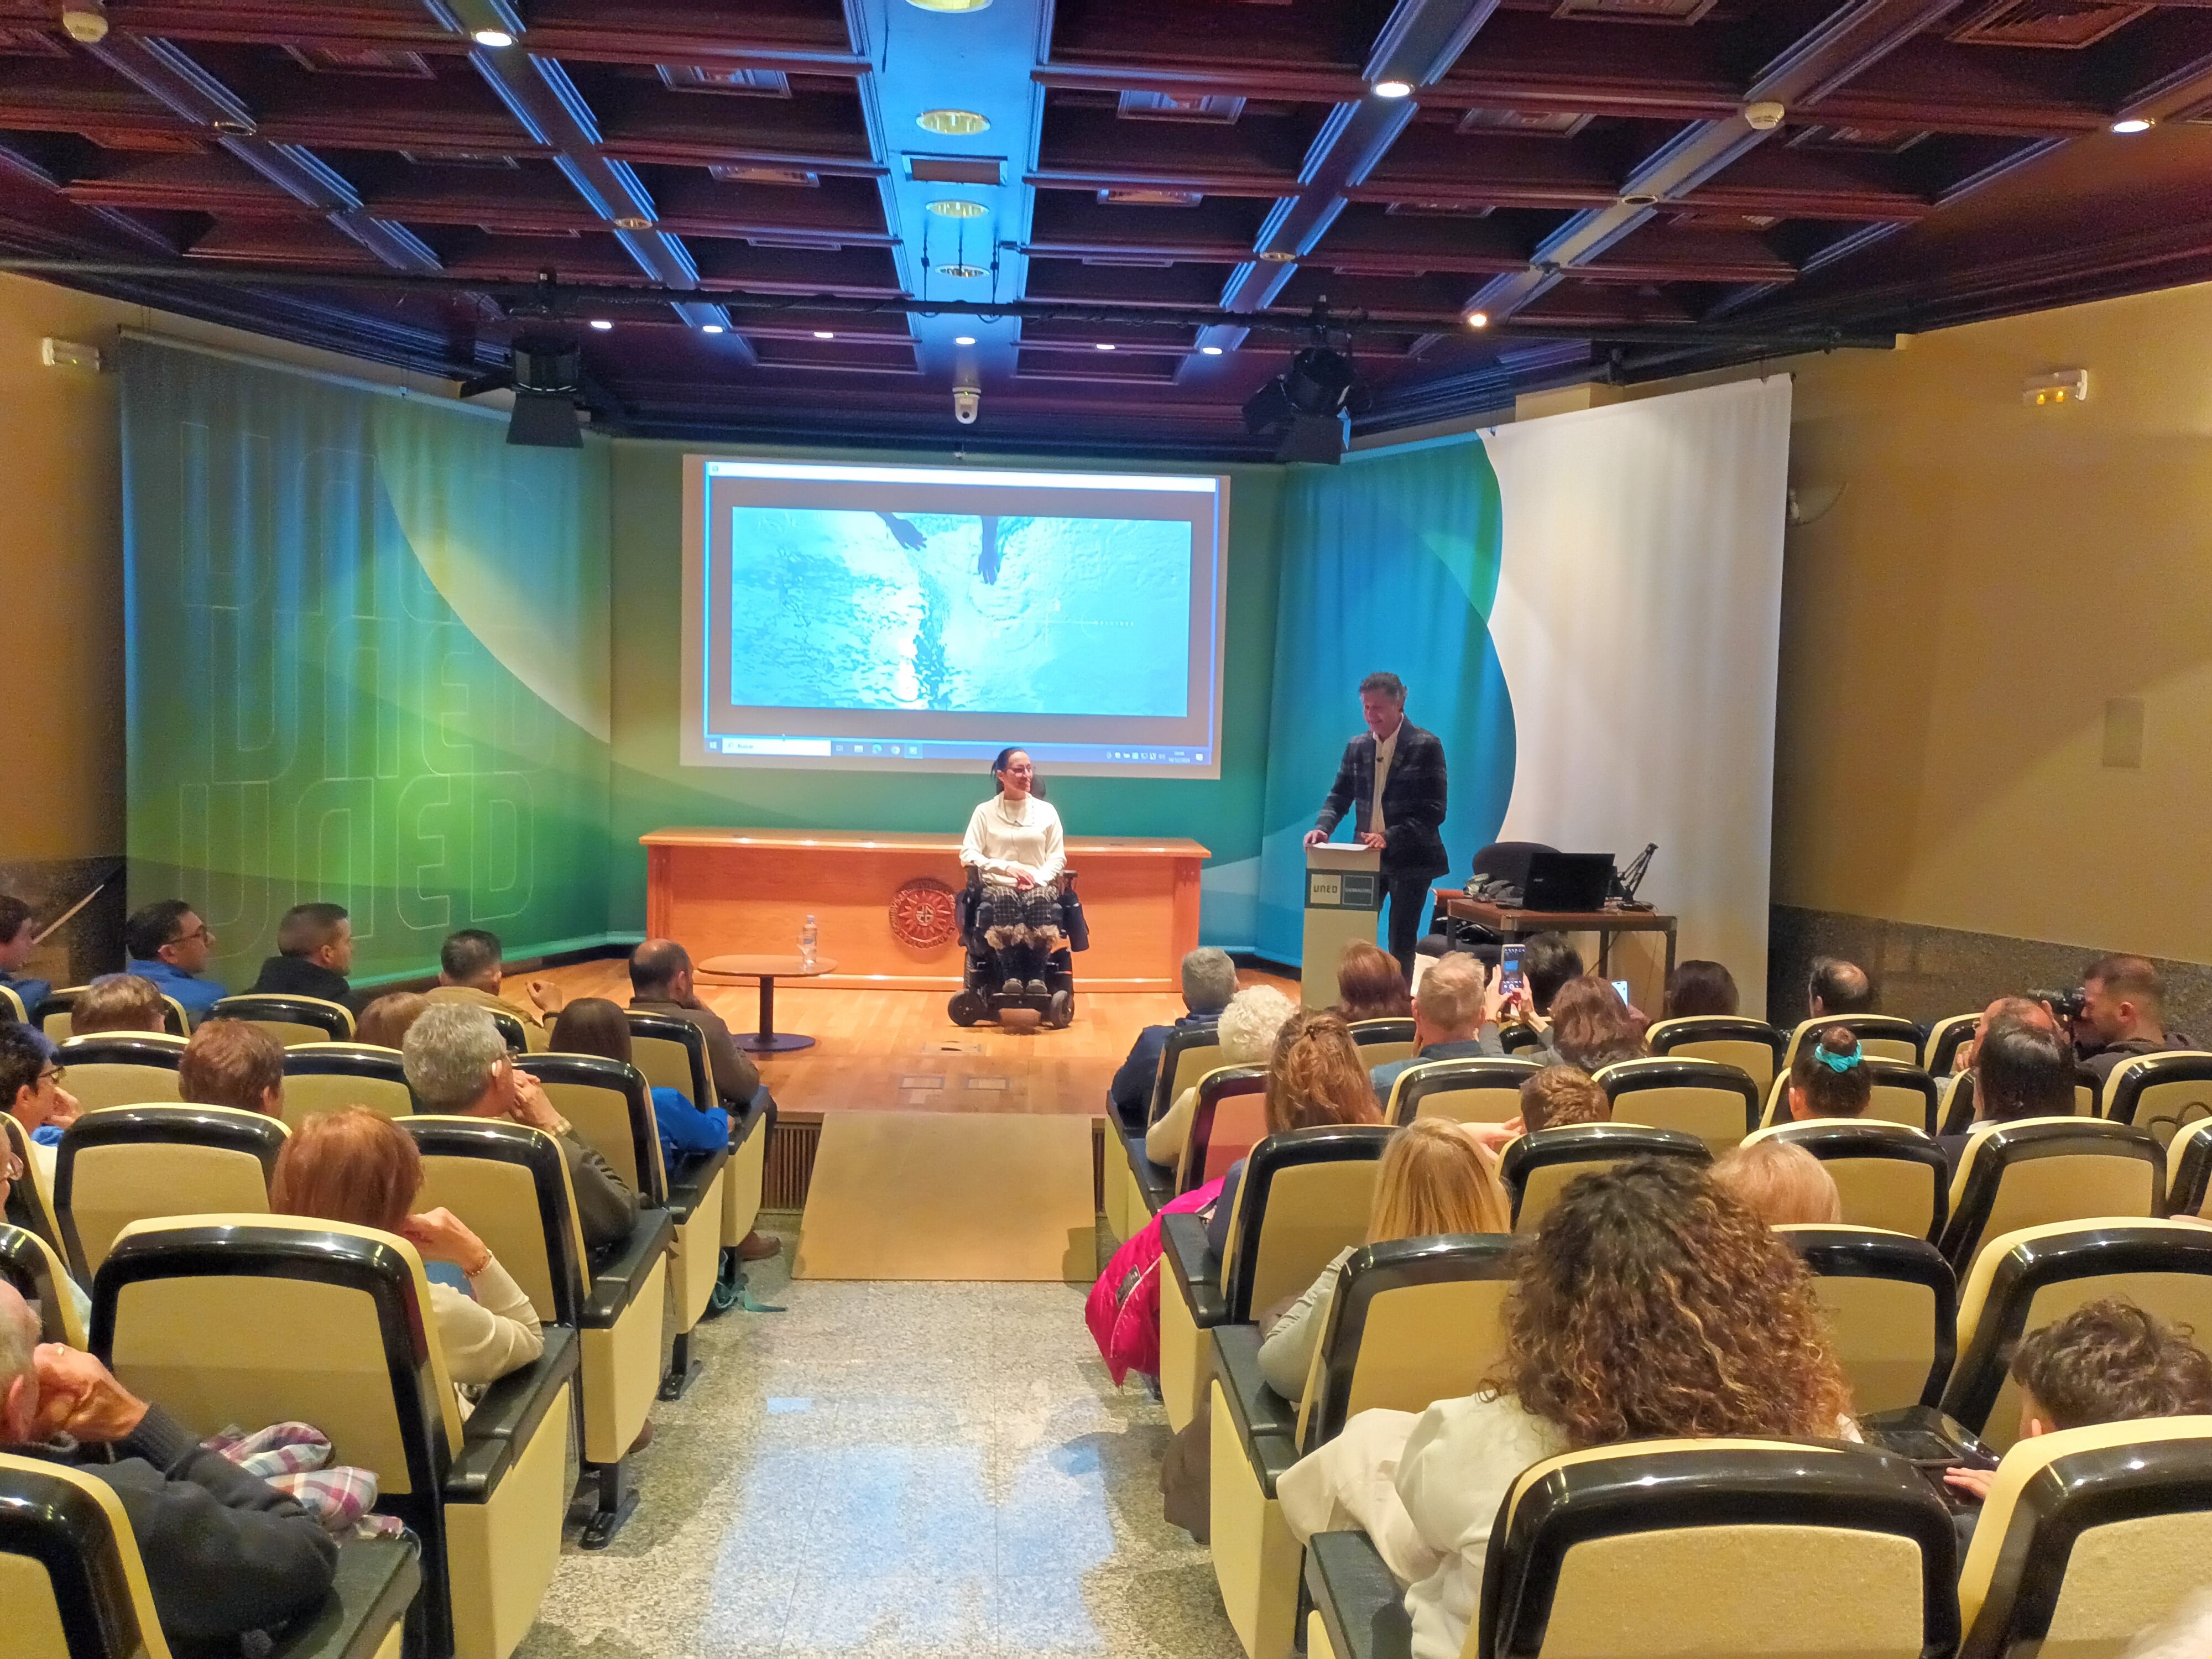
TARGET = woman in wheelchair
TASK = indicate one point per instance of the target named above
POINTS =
(1013, 845)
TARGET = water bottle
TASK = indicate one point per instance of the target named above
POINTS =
(807, 937)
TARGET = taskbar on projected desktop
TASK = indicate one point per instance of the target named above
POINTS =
(1065, 753)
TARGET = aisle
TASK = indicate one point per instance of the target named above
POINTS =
(894, 1469)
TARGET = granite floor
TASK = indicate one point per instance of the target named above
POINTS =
(894, 1469)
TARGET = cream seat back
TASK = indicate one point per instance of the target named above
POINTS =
(1717, 1103)
(130, 1163)
(1751, 1046)
(290, 1019)
(1473, 1091)
(1886, 1176)
(329, 1076)
(1893, 1311)
(1537, 1167)
(121, 1069)
(2039, 1169)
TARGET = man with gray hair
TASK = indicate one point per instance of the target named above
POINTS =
(1209, 980)
(1447, 1011)
(225, 1553)
(457, 1061)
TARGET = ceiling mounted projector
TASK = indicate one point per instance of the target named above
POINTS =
(1308, 405)
(548, 371)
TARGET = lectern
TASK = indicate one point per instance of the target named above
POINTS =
(1344, 893)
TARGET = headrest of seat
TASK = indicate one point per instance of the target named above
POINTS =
(1844, 1252)
(1670, 1072)
(122, 1048)
(1577, 1143)
(189, 1124)
(1853, 1137)
(666, 1028)
(29, 1262)
(584, 1070)
(1991, 1147)
(1297, 1148)
(1712, 1028)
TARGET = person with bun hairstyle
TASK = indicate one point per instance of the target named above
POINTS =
(1314, 1079)
(1828, 1078)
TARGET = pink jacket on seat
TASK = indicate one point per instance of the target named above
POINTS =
(1123, 1309)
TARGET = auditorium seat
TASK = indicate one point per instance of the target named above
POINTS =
(2039, 1170)
(1896, 1093)
(610, 1105)
(510, 1185)
(12, 1008)
(511, 1029)
(34, 1268)
(329, 1076)
(1888, 1176)
(30, 1201)
(1537, 1167)
(1893, 1308)
(672, 1054)
(1411, 1322)
(1715, 1102)
(1939, 1054)
(2027, 1280)
(2089, 1538)
(52, 1016)
(2162, 1093)
(1881, 1036)
(290, 1019)
(1723, 1549)
(1304, 1195)
(118, 1068)
(1383, 1042)
(142, 1162)
(2189, 1173)
(209, 1315)
(1185, 1057)
(1955, 1101)
(1478, 1090)
(1751, 1046)
(1229, 1118)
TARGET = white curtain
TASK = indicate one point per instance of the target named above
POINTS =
(1637, 615)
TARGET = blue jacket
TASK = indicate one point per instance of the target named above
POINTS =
(32, 991)
(198, 995)
(685, 1128)
(1130, 1094)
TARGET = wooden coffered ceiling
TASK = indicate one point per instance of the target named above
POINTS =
(1163, 196)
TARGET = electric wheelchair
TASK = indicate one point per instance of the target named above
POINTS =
(981, 998)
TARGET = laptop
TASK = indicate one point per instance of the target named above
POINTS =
(1567, 881)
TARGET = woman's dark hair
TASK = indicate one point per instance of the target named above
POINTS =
(1371, 985)
(1549, 962)
(2021, 1071)
(1591, 1026)
(2112, 1362)
(592, 1026)
(1701, 987)
(1832, 1073)
(1036, 783)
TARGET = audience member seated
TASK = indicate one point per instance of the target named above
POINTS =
(2122, 1014)
(314, 954)
(231, 1063)
(2107, 1362)
(226, 1554)
(1590, 1027)
(1246, 1031)
(1433, 1179)
(1837, 986)
(167, 943)
(118, 1002)
(1784, 1186)
(1548, 963)
(1370, 984)
(1448, 1017)
(1554, 1098)
(30, 1090)
(1209, 980)
(1314, 1079)
(660, 982)
(592, 1025)
(1697, 986)
(2022, 1010)
(2020, 1071)
(470, 972)
(1653, 1304)
(457, 1061)
(19, 936)
(1829, 1077)
(357, 1167)
(385, 1023)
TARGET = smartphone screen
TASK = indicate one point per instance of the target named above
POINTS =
(1510, 978)
(1621, 986)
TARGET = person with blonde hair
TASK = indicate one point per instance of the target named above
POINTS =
(1448, 1012)
(1246, 1031)
(1432, 1181)
(1314, 1079)
(119, 1002)
(1782, 1185)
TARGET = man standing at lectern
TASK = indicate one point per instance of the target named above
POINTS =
(1392, 778)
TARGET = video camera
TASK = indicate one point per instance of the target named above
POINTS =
(2067, 1005)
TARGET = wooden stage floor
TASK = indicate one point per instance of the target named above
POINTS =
(898, 1050)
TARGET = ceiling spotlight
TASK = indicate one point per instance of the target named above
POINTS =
(952, 123)
(1209, 351)
(964, 339)
(1104, 346)
(1478, 320)
(710, 328)
(1394, 88)
(963, 272)
(949, 5)
(85, 21)
(601, 323)
(954, 209)
(2133, 123)
(493, 38)
(823, 334)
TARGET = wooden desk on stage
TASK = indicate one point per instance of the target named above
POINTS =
(1516, 924)
(717, 891)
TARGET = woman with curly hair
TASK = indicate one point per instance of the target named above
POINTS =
(1591, 1026)
(1315, 1078)
(1653, 1304)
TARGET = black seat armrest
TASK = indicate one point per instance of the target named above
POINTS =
(1197, 1270)
(1266, 1424)
(689, 1182)
(512, 1408)
(1924, 1433)
(1155, 1182)
(615, 1284)
(1360, 1604)
(378, 1579)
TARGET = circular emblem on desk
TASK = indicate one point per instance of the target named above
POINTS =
(922, 915)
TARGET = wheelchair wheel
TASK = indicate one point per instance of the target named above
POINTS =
(1060, 1010)
(968, 1008)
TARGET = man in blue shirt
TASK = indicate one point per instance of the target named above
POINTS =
(168, 944)
(18, 938)
(1209, 980)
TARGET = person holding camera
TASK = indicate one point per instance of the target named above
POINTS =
(2117, 1014)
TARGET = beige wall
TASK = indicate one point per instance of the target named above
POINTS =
(1953, 627)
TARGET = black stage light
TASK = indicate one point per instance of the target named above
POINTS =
(1318, 438)
(548, 373)
(1268, 410)
(1320, 381)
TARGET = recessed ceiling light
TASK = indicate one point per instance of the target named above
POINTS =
(823, 334)
(1104, 346)
(493, 38)
(1277, 256)
(601, 323)
(710, 328)
(2133, 123)
(964, 339)
(1478, 320)
(1209, 351)
(949, 5)
(958, 209)
(961, 272)
(1394, 88)
(952, 123)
